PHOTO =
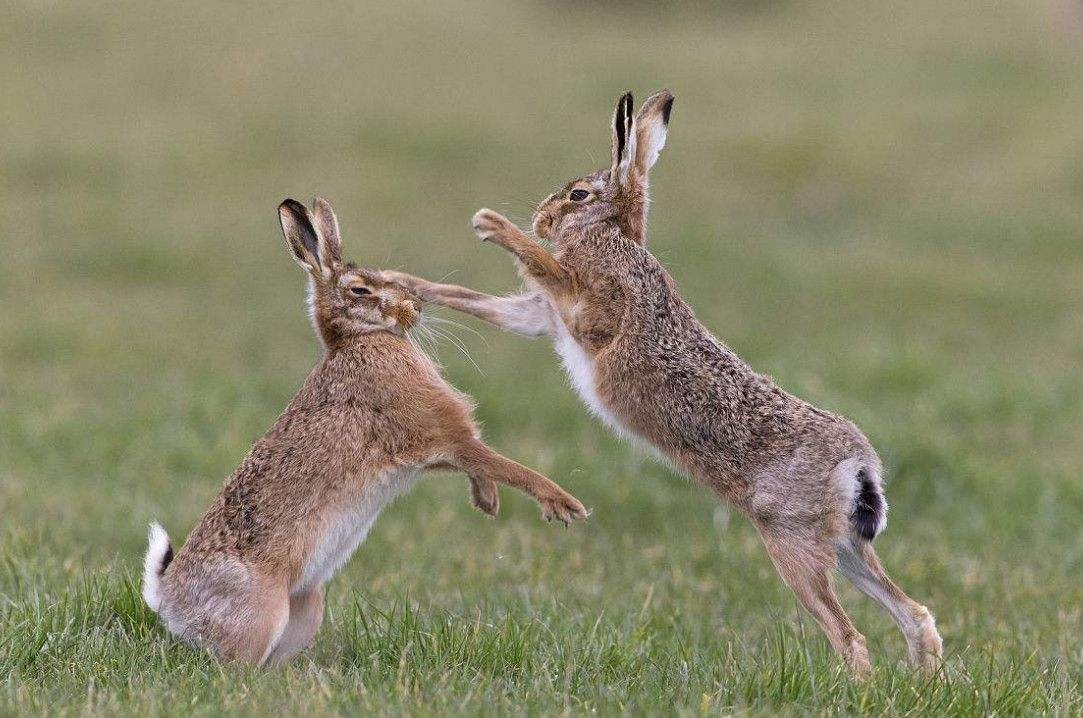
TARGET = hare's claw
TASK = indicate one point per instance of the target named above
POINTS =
(565, 508)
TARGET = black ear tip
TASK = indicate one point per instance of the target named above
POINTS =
(667, 108)
(292, 206)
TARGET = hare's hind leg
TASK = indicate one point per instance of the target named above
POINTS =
(250, 623)
(807, 568)
(859, 562)
(305, 617)
(482, 463)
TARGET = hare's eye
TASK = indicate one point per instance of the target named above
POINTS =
(360, 291)
(578, 195)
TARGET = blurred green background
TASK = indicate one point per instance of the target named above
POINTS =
(876, 203)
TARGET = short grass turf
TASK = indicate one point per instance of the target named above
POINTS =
(876, 203)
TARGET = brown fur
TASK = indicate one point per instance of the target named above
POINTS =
(371, 414)
(654, 372)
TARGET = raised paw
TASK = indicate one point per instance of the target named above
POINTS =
(400, 278)
(410, 283)
(484, 496)
(563, 507)
(493, 227)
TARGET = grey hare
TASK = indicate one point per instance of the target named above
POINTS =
(635, 352)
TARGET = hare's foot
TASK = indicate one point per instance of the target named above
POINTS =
(484, 496)
(925, 645)
(560, 505)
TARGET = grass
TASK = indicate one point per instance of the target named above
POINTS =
(877, 207)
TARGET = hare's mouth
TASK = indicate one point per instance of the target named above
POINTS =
(407, 317)
(542, 224)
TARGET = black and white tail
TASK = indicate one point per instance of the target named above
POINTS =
(159, 554)
(869, 516)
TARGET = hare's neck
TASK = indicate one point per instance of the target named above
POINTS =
(633, 221)
(391, 357)
(601, 231)
(369, 343)
(358, 370)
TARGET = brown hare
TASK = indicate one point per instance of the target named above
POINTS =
(370, 417)
(808, 479)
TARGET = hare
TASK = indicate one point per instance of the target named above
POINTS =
(370, 417)
(633, 349)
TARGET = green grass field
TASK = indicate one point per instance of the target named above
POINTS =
(878, 204)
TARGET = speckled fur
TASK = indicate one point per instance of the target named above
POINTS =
(656, 373)
(371, 416)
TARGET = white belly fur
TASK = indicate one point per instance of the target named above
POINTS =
(580, 369)
(343, 532)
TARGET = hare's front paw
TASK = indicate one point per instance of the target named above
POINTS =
(484, 496)
(563, 507)
(414, 285)
(400, 278)
(492, 226)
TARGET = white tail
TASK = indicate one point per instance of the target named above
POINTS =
(159, 554)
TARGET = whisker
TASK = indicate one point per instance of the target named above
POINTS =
(430, 342)
(423, 341)
(455, 342)
(450, 338)
(520, 220)
(437, 331)
(460, 325)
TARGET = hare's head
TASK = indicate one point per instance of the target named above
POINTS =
(621, 193)
(344, 300)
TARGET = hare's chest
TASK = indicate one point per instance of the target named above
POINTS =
(342, 529)
(579, 366)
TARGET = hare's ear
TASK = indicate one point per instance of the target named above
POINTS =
(323, 218)
(300, 235)
(624, 139)
(651, 125)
